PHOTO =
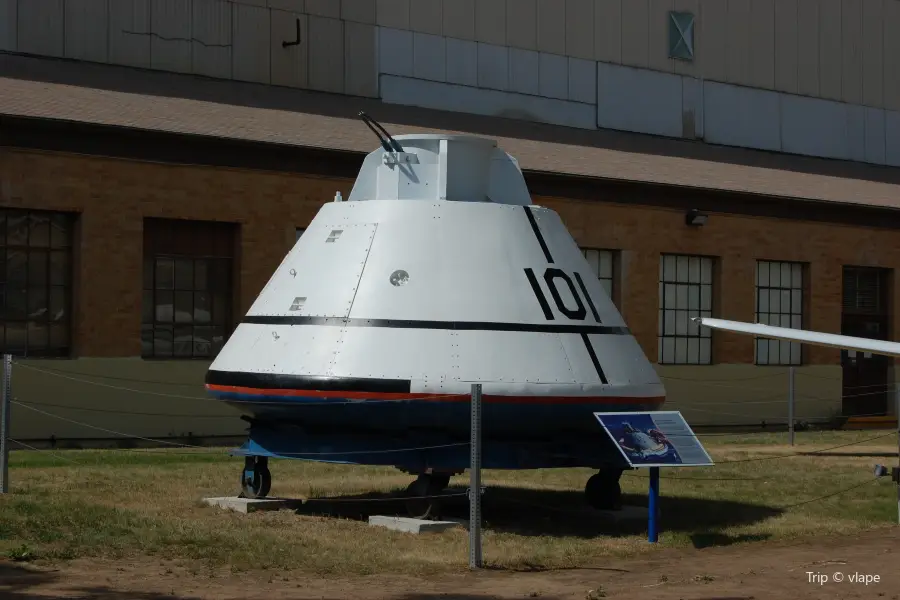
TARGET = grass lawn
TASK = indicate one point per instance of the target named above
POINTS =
(118, 503)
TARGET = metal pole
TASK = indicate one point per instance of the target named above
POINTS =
(5, 399)
(653, 506)
(791, 405)
(475, 481)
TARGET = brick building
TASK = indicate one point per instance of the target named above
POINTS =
(141, 212)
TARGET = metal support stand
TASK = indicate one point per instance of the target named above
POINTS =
(5, 416)
(791, 405)
(475, 481)
(653, 506)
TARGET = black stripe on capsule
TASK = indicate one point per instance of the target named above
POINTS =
(537, 234)
(593, 355)
(587, 297)
(539, 294)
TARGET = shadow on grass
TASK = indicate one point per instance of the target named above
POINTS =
(561, 513)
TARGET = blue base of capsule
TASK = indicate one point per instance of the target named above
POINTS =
(417, 452)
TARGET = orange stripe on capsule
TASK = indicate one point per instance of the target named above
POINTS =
(493, 399)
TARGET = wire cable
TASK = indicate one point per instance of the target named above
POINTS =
(137, 437)
(48, 452)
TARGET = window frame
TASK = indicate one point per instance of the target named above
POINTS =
(221, 293)
(613, 268)
(66, 248)
(780, 290)
(691, 330)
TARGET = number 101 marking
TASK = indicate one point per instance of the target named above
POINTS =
(551, 275)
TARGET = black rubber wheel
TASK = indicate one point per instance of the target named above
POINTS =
(256, 480)
(603, 491)
(420, 501)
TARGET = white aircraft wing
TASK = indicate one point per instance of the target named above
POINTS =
(815, 338)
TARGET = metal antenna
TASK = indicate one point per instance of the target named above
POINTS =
(372, 124)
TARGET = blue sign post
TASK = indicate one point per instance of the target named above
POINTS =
(654, 440)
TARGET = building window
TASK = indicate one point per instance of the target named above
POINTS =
(299, 233)
(187, 302)
(602, 266)
(685, 292)
(36, 282)
(681, 35)
(779, 302)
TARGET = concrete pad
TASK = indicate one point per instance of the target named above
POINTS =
(248, 505)
(409, 525)
(626, 513)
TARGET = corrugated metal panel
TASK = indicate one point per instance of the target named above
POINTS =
(692, 114)
(808, 47)
(739, 44)
(891, 55)
(685, 67)
(635, 32)
(580, 28)
(856, 132)
(829, 30)
(251, 51)
(443, 96)
(392, 13)
(814, 127)
(294, 6)
(490, 21)
(608, 30)
(553, 76)
(462, 62)
(712, 44)
(582, 80)
(493, 67)
(360, 66)
(658, 36)
(852, 52)
(129, 33)
(873, 53)
(326, 54)
(762, 44)
(741, 116)
(875, 135)
(637, 100)
(892, 138)
(87, 30)
(324, 8)
(211, 33)
(170, 42)
(40, 27)
(290, 66)
(524, 71)
(429, 56)
(521, 25)
(786, 34)
(551, 26)
(8, 24)
(359, 11)
(395, 51)
(459, 19)
(425, 16)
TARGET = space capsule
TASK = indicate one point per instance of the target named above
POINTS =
(436, 272)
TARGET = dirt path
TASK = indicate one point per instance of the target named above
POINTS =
(730, 573)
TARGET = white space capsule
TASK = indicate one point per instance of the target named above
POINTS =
(437, 272)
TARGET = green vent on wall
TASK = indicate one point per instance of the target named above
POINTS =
(681, 35)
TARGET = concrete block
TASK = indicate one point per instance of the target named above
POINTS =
(409, 525)
(248, 505)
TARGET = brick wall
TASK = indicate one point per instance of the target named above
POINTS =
(113, 196)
